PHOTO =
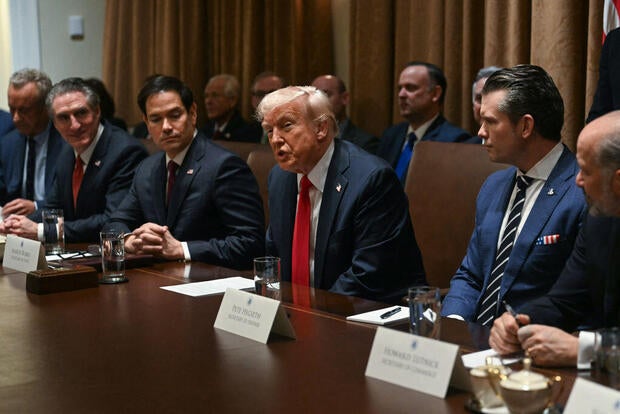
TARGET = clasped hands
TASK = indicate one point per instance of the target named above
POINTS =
(20, 226)
(151, 238)
(546, 345)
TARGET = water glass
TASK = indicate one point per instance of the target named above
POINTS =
(267, 276)
(425, 311)
(112, 257)
(54, 229)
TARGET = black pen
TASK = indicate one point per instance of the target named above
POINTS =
(511, 311)
(390, 313)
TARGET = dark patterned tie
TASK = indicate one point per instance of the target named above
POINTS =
(76, 180)
(488, 305)
(172, 171)
(30, 168)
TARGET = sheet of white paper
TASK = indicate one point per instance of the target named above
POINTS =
(374, 317)
(211, 287)
(476, 359)
(67, 256)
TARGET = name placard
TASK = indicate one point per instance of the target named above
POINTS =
(415, 362)
(252, 316)
(589, 397)
(23, 255)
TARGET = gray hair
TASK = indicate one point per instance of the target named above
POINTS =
(27, 75)
(482, 74)
(69, 85)
(609, 152)
(231, 87)
(317, 105)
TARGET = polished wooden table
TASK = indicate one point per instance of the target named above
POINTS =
(134, 347)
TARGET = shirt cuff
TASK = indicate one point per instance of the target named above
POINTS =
(188, 257)
(586, 349)
(40, 232)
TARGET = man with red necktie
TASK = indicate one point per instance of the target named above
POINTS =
(340, 218)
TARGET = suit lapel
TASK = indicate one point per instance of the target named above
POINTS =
(335, 187)
(558, 183)
(184, 178)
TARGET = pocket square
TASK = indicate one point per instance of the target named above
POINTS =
(550, 239)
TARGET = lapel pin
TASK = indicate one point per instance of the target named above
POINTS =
(338, 187)
(550, 192)
(98, 163)
(190, 171)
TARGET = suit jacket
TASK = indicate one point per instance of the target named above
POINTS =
(440, 130)
(350, 132)
(214, 206)
(12, 159)
(105, 184)
(532, 268)
(237, 129)
(587, 292)
(607, 96)
(365, 245)
(6, 122)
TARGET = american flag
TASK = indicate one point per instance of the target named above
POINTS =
(611, 16)
(550, 239)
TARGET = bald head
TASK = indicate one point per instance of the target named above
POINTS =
(334, 88)
(598, 155)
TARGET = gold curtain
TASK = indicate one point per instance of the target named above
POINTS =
(562, 36)
(196, 39)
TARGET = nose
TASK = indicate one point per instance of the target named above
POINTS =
(401, 93)
(74, 122)
(275, 136)
(166, 125)
(482, 132)
(579, 179)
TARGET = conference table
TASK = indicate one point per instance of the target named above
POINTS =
(134, 347)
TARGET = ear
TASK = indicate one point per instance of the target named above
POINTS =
(525, 126)
(322, 129)
(436, 92)
(615, 183)
(192, 114)
(345, 98)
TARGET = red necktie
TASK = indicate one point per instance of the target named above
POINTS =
(301, 236)
(78, 175)
(172, 170)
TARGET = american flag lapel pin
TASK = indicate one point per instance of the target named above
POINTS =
(550, 192)
(97, 163)
(338, 187)
(190, 171)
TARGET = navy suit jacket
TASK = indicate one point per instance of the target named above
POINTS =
(12, 157)
(365, 245)
(440, 130)
(358, 136)
(607, 96)
(6, 122)
(105, 184)
(214, 206)
(588, 290)
(532, 268)
(237, 129)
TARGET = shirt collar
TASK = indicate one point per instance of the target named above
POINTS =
(419, 133)
(88, 152)
(318, 174)
(180, 157)
(543, 168)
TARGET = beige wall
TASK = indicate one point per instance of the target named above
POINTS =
(6, 63)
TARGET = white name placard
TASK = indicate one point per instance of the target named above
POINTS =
(23, 255)
(589, 397)
(415, 362)
(252, 316)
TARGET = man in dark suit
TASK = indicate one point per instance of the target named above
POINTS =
(94, 171)
(194, 200)
(6, 123)
(607, 96)
(336, 91)
(421, 91)
(516, 257)
(349, 230)
(28, 154)
(225, 122)
(588, 290)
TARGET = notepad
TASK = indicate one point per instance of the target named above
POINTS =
(374, 317)
(211, 287)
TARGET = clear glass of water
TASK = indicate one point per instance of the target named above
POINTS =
(112, 257)
(267, 276)
(54, 228)
(425, 311)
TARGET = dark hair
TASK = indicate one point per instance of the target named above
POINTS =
(435, 75)
(161, 83)
(530, 90)
(106, 102)
(68, 85)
